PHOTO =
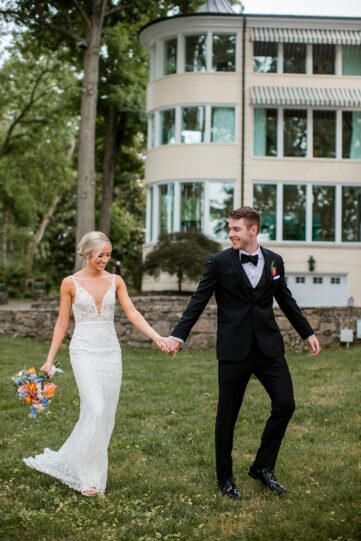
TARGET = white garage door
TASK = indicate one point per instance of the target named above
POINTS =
(318, 290)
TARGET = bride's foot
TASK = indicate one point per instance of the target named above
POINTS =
(89, 492)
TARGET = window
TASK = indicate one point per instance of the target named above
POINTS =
(167, 126)
(166, 208)
(265, 201)
(191, 206)
(221, 197)
(196, 52)
(294, 58)
(323, 213)
(291, 212)
(151, 132)
(351, 135)
(224, 52)
(351, 60)
(323, 58)
(324, 134)
(294, 212)
(295, 132)
(265, 57)
(265, 132)
(193, 124)
(351, 213)
(335, 280)
(300, 280)
(170, 56)
(317, 280)
(223, 125)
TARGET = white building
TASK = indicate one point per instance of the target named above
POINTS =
(265, 111)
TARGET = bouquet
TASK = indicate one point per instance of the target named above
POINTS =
(35, 389)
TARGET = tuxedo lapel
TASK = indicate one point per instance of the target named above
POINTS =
(266, 274)
(239, 270)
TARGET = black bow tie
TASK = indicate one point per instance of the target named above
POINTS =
(245, 258)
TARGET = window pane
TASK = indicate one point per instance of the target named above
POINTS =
(351, 135)
(351, 60)
(324, 134)
(152, 131)
(265, 132)
(323, 213)
(167, 126)
(223, 125)
(265, 201)
(323, 58)
(191, 206)
(221, 196)
(150, 211)
(295, 132)
(193, 124)
(294, 58)
(351, 214)
(294, 212)
(166, 208)
(170, 56)
(196, 52)
(224, 52)
(264, 57)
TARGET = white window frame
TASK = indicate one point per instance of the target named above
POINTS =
(154, 214)
(309, 212)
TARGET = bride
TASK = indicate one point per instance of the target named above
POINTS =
(82, 461)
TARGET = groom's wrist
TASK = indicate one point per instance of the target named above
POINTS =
(178, 339)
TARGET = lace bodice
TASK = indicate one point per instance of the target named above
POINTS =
(85, 307)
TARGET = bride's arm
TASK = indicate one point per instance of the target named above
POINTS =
(61, 325)
(133, 315)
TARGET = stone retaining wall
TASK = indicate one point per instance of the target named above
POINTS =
(162, 312)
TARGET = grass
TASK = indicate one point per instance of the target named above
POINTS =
(161, 483)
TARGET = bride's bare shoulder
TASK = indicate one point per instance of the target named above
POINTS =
(67, 283)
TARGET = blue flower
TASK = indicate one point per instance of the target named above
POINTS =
(44, 400)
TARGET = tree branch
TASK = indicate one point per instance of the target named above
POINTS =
(83, 15)
(32, 99)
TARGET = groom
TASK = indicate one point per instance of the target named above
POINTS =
(245, 279)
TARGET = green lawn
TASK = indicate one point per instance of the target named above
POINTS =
(161, 482)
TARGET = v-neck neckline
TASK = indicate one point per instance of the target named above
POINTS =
(99, 314)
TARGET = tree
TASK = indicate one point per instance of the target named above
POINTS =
(183, 254)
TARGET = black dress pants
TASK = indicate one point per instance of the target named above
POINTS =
(233, 378)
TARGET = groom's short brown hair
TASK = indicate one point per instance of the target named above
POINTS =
(250, 216)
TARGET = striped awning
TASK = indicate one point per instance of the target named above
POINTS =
(307, 96)
(307, 35)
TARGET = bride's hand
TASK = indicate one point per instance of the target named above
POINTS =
(161, 342)
(47, 368)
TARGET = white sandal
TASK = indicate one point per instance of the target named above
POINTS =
(89, 492)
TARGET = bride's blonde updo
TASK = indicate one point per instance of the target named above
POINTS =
(91, 242)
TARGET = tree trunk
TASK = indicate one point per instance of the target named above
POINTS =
(86, 156)
(111, 153)
(3, 239)
(34, 242)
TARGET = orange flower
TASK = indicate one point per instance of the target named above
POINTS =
(31, 370)
(31, 386)
(27, 400)
(49, 390)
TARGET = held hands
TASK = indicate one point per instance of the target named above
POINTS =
(168, 345)
(314, 345)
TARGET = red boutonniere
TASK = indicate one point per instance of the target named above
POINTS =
(273, 269)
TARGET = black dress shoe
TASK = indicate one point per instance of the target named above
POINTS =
(230, 489)
(266, 476)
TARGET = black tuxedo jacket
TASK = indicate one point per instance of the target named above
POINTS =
(244, 312)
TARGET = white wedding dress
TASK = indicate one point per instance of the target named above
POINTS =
(82, 462)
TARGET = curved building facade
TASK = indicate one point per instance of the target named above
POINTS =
(263, 111)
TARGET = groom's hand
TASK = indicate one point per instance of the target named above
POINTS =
(314, 345)
(173, 345)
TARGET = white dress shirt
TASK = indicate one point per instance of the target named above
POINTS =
(254, 272)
